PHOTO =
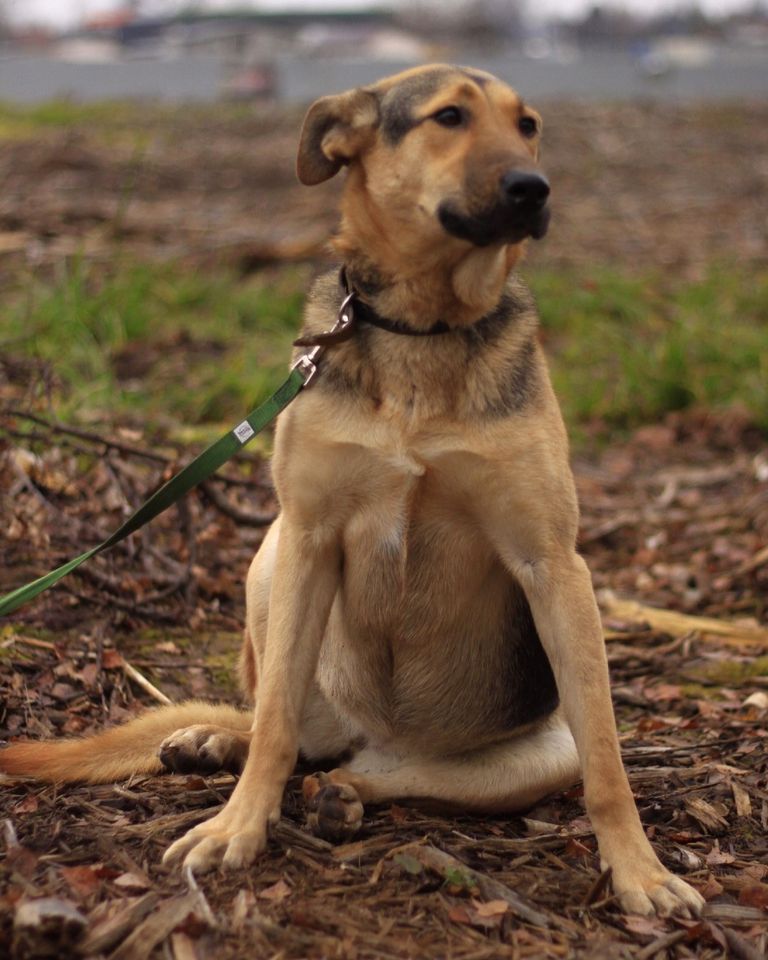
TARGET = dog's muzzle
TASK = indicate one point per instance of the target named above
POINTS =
(519, 211)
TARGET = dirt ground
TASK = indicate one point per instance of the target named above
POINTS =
(652, 185)
(675, 518)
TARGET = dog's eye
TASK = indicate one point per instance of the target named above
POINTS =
(449, 117)
(528, 126)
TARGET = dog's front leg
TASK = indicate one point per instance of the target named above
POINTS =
(559, 590)
(305, 580)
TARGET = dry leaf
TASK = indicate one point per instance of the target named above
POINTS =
(111, 660)
(493, 908)
(742, 800)
(277, 892)
(459, 914)
(132, 881)
(83, 880)
(754, 895)
(758, 699)
(716, 856)
(711, 888)
(650, 927)
(28, 805)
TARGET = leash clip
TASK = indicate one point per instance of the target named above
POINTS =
(307, 362)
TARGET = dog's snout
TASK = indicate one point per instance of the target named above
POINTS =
(525, 189)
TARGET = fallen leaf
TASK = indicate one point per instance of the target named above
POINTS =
(755, 895)
(132, 881)
(758, 699)
(28, 805)
(716, 856)
(167, 646)
(277, 892)
(575, 848)
(83, 880)
(711, 888)
(111, 660)
(493, 908)
(459, 914)
(645, 926)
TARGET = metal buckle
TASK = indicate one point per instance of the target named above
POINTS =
(307, 362)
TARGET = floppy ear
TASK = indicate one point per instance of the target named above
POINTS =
(335, 131)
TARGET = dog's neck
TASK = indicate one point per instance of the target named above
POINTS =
(421, 283)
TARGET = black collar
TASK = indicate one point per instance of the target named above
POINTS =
(362, 312)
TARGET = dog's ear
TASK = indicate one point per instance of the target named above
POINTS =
(335, 131)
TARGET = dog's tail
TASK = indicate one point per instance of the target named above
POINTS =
(117, 753)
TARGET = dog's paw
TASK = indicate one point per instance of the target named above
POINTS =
(203, 749)
(334, 810)
(229, 840)
(656, 891)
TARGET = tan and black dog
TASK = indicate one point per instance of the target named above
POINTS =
(419, 602)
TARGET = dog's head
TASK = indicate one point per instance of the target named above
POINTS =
(438, 150)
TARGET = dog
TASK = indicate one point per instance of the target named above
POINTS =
(419, 604)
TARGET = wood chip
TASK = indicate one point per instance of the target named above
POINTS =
(107, 934)
(705, 814)
(143, 940)
(741, 799)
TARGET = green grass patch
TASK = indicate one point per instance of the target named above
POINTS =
(627, 349)
(156, 343)
(175, 347)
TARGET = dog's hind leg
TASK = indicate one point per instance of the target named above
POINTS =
(502, 778)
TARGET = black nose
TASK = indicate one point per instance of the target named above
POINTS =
(528, 191)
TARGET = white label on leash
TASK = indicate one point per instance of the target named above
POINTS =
(244, 431)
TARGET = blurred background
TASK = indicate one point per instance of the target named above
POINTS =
(151, 224)
(143, 141)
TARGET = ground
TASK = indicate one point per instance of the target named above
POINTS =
(674, 516)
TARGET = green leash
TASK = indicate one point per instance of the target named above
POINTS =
(200, 469)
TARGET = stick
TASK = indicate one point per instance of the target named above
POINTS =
(670, 621)
(140, 680)
(446, 865)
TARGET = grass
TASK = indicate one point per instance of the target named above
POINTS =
(155, 343)
(627, 349)
(165, 345)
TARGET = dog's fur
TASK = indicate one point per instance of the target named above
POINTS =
(419, 602)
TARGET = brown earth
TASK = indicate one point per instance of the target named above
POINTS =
(676, 517)
(648, 185)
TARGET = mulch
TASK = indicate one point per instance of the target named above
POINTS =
(675, 518)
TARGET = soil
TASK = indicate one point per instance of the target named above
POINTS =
(676, 518)
(648, 185)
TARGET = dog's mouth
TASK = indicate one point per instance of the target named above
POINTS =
(519, 210)
(497, 225)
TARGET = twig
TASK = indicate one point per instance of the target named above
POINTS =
(447, 865)
(205, 907)
(244, 517)
(287, 834)
(670, 621)
(140, 680)
(662, 943)
(126, 448)
(739, 946)
(598, 887)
